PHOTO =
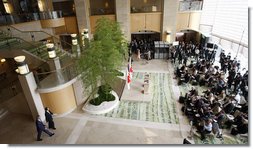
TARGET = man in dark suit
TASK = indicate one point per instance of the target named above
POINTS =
(49, 118)
(41, 127)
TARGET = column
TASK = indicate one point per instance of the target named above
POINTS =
(33, 99)
(169, 19)
(123, 16)
(54, 61)
(49, 5)
(29, 87)
(83, 15)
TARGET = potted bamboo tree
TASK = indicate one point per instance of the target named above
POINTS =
(97, 64)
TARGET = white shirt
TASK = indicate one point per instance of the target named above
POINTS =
(208, 127)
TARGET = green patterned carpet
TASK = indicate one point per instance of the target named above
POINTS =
(184, 88)
(226, 140)
(162, 107)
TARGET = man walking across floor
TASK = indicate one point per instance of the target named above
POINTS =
(41, 127)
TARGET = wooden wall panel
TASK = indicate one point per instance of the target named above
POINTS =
(71, 25)
(69, 28)
(60, 30)
(153, 22)
(137, 22)
(52, 23)
(146, 21)
(194, 20)
(188, 20)
(182, 21)
(93, 20)
(61, 101)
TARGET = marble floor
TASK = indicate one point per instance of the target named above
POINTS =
(81, 128)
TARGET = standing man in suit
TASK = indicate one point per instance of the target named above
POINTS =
(41, 127)
(49, 118)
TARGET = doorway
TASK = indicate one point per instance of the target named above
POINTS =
(144, 41)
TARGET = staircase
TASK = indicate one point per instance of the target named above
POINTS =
(36, 49)
(3, 113)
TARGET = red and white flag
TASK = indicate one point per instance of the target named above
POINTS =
(129, 73)
(130, 68)
(128, 79)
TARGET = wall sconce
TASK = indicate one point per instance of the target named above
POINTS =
(22, 66)
(145, 1)
(17, 71)
(168, 33)
(51, 50)
(106, 4)
(73, 7)
(85, 33)
(40, 5)
(7, 7)
(74, 39)
(3, 60)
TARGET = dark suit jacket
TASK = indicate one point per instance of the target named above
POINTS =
(39, 125)
(48, 116)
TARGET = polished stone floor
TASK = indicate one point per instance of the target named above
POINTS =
(81, 128)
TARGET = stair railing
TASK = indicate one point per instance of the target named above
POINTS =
(37, 36)
(31, 46)
(60, 76)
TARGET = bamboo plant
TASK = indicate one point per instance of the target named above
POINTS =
(105, 54)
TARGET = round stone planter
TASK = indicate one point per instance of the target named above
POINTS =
(104, 107)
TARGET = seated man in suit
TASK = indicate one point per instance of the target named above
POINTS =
(241, 128)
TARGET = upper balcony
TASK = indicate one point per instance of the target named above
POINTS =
(102, 7)
(146, 6)
(194, 5)
(9, 19)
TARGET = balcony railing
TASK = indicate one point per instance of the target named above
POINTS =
(102, 11)
(9, 19)
(190, 5)
(56, 78)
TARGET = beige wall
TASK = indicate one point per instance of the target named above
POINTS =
(61, 101)
(81, 93)
(182, 21)
(70, 26)
(188, 20)
(153, 21)
(29, 26)
(50, 23)
(93, 20)
(194, 20)
(146, 21)
(137, 22)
